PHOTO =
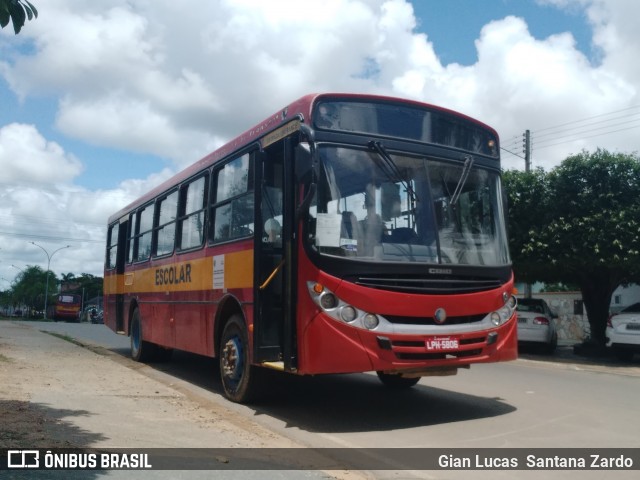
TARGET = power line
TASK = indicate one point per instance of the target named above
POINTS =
(587, 118)
(514, 154)
(50, 237)
(585, 138)
(15, 219)
(576, 127)
(578, 130)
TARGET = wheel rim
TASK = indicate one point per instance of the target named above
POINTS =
(135, 336)
(232, 361)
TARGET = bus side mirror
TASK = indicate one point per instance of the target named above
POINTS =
(307, 132)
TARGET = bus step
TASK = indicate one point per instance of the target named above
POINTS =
(274, 365)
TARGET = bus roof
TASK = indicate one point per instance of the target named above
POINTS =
(301, 108)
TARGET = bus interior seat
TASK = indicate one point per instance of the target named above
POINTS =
(402, 235)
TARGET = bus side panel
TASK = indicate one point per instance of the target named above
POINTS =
(193, 318)
(330, 348)
(112, 285)
(324, 346)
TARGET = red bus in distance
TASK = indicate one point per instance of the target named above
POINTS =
(66, 307)
(345, 233)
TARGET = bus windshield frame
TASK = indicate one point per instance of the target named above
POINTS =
(413, 208)
(408, 122)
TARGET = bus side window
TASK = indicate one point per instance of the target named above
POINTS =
(112, 247)
(233, 204)
(165, 232)
(131, 234)
(192, 213)
(142, 247)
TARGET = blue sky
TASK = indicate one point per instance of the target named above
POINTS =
(451, 25)
(101, 101)
(454, 25)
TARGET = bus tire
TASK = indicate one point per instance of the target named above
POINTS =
(141, 351)
(396, 381)
(236, 373)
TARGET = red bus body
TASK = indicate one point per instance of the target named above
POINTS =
(183, 297)
(67, 307)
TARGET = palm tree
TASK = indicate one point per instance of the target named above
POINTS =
(18, 11)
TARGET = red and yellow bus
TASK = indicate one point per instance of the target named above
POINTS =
(66, 307)
(345, 233)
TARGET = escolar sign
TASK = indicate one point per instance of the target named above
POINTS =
(173, 275)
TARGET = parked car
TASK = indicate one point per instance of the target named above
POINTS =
(536, 324)
(623, 332)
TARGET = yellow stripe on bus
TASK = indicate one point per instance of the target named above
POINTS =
(233, 270)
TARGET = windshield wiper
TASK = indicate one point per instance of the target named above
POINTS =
(393, 172)
(468, 163)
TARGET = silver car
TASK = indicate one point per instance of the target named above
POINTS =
(536, 324)
(623, 332)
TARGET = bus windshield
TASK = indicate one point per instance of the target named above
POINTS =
(406, 209)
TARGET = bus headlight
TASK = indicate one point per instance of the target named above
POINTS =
(328, 301)
(338, 309)
(348, 313)
(505, 313)
(370, 321)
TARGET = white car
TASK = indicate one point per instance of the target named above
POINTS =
(623, 332)
(536, 324)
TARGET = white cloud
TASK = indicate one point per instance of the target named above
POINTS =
(177, 79)
(39, 202)
(26, 157)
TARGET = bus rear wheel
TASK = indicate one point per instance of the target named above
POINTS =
(237, 375)
(396, 381)
(141, 351)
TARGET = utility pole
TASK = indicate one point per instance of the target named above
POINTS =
(527, 168)
(527, 151)
(46, 290)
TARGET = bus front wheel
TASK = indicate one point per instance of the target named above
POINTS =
(236, 372)
(396, 381)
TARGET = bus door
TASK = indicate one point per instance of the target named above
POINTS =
(116, 257)
(123, 234)
(273, 320)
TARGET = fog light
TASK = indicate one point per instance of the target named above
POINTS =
(348, 313)
(370, 321)
(328, 301)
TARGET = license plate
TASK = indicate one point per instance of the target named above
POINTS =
(442, 343)
(633, 326)
(522, 320)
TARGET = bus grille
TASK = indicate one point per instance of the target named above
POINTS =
(436, 286)
(431, 321)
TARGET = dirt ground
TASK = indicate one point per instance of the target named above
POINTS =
(55, 394)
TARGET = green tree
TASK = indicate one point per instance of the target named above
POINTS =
(527, 212)
(583, 230)
(29, 287)
(18, 11)
(90, 284)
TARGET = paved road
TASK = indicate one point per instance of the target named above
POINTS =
(536, 401)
